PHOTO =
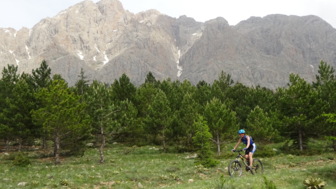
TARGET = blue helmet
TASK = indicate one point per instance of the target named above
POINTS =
(241, 131)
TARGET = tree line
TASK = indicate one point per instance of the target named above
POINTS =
(41, 107)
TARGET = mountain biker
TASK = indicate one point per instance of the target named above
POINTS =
(250, 146)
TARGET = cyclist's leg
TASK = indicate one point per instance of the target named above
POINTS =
(248, 156)
(254, 148)
(249, 152)
(250, 159)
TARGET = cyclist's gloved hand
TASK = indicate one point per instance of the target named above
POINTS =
(245, 148)
(233, 150)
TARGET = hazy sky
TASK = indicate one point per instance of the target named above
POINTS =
(19, 13)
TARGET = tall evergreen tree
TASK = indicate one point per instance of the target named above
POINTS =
(326, 86)
(150, 79)
(123, 89)
(101, 110)
(237, 101)
(203, 93)
(326, 73)
(222, 121)
(174, 95)
(125, 122)
(144, 96)
(186, 116)
(203, 144)
(10, 78)
(260, 125)
(61, 114)
(159, 117)
(21, 104)
(41, 77)
(82, 85)
(260, 96)
(298, 104)
(221, 86)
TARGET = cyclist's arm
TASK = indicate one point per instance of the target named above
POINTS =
(237, 144)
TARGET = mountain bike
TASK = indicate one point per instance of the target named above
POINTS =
(235, 166)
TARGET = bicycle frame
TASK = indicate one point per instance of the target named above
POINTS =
(242, 158)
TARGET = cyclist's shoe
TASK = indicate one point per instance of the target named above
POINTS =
(248, 168)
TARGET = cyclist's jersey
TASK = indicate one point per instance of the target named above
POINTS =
(244, 140)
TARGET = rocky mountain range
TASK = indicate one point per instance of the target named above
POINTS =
(105, 40)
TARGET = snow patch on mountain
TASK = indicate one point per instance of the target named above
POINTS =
(80, 54)
(179, 68)
(106, 58)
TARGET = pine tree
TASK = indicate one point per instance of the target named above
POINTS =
(299, 104)
(101, 110)
(260, 126)
(202, 141)
(8, 108)
(222, 121)
(158, 117)
(61, 114)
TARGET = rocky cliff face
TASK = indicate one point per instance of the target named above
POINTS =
(106, 41)
(262, 51)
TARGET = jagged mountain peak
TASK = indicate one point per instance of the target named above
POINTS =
(218, 23)
(107, 41)
(86, 5)
(280, 19)
(115, 3)
(149, 13)
(87, 9)
(218, 20)
(110, 7)
(148, 17)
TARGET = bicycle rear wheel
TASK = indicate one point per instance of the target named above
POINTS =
(235, 168)
(258, 167)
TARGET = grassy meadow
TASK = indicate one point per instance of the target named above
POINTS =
(148, 167)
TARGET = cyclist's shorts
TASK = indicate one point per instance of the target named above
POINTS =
(252, 148)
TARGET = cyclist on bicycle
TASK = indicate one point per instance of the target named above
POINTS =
(250, 146)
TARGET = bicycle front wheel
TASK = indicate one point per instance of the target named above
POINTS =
(258, 167)
(235, 168)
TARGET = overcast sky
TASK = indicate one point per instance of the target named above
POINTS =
(19, 13)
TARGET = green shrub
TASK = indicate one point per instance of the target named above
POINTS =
(290, 147)
(21, 160)
(9, 156)
(266, 151)
(64, 183)
(314, 183)
(207, 162)
(269, 184)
